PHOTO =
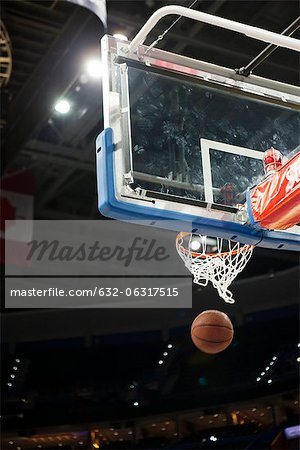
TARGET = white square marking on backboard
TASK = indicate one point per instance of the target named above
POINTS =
(206, 145)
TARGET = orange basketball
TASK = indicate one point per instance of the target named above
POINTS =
(212, 331)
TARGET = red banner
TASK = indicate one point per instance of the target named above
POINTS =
(16, 203)
(275, 202)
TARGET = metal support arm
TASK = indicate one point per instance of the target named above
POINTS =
(252, 32)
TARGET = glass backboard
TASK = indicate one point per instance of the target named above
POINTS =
(188, 140)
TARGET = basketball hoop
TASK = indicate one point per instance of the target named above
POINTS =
(216, 260)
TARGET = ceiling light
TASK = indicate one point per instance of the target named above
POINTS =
(12, 375)
(62, 107)
(195, 244)
(258, 379)
(120, 36)
(136, 404)
(299, 345)
(298, 359)
(253, 409)
(17, 360)
(9, 384)
(15, 368)
(165, 353)
(170, 345)
(93, 68)
(262, 374)
(271, 363)
(160, 362)
(83, 78)
(274, 358)
(269, 381)
(267, 368)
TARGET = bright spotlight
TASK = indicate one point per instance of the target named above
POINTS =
(298, 359)
(136, 404)
(258, 379)
(269, 381)
(165, 353)
(160, 362)
(274, 358)
(213, 438)
(121, 37)
(170, 346)
(94, 68)
(62, 107)
(195, 244)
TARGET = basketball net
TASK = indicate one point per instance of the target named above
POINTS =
(216, 260)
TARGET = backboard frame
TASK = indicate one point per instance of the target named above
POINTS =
(117, 199)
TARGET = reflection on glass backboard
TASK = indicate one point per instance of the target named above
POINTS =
(170, 119)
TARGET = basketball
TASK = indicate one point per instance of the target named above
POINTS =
(212, 331)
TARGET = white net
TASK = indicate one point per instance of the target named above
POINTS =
(213, 259)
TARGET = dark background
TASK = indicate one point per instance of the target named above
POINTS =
(79, 373)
